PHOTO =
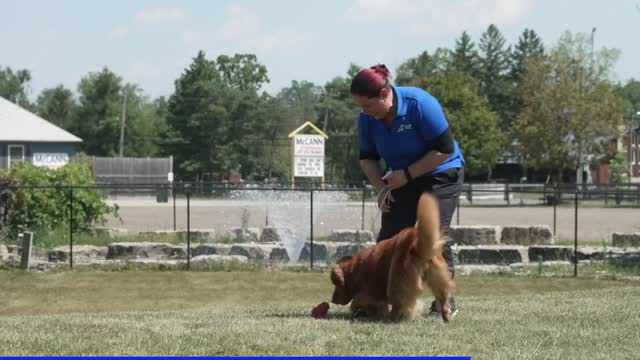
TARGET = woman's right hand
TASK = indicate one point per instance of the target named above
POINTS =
(385, 198)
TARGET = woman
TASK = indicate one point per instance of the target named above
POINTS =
(407, 128)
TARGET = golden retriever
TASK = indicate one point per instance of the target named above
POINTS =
(386, 280)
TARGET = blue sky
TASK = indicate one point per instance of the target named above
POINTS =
(151, 42)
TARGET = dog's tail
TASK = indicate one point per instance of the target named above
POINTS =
(429, 243)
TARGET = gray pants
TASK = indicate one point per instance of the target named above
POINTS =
(445, 185)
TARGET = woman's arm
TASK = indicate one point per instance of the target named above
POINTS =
(373, 171)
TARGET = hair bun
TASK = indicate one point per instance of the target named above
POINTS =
(382, 69)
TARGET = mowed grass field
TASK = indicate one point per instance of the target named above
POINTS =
(267, 312)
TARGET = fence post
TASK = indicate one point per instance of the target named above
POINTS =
(506, 194)
(364, 194)
(311, 229)
(458, 212)
(555, 207)
(173, 193)
(188, 230)
(27, 244)
(575, 238)
(71, 228)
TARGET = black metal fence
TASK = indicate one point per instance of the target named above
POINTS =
(579, 216)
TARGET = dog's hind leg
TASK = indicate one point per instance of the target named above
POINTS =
(403, 289)
(439, 281)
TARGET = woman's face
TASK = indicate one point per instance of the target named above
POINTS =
(377, 106)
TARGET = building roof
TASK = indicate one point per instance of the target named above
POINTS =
(20, 125)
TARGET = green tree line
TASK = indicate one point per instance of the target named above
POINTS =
(548, 108)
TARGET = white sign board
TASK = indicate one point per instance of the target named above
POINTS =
(309, 166)
(309, 156)
(50, 160)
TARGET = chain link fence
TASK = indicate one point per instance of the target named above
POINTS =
(185, 222)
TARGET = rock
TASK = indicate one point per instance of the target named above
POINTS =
(240, 235)
(197, 235)
(107, 231)
(322, 251)
(346, 236)
(210, 249)
(526, 235)
(61, 253)
(491, 255)
(279, 255)
(625, 239)
(218, 259)
(475, 235)
(275, 235)
(159, 235)
(550, 253)
(252, 251)
(132, 250)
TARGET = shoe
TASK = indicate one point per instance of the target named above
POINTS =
(359, 315)
(435, 310)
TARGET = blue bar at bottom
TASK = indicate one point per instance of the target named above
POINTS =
(237, 357)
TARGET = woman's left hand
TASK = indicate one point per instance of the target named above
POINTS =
(396, 179)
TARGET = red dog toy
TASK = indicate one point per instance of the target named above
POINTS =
(320, 311)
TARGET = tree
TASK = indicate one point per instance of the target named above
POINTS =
(145, 123)
(213, 117)
(197, 120)
(57, 105)
(13, 85)
(269, 156)
(494, 60)
(98, 118)
(424, 66)
(340, 119)
(242, 71)
(104, 96)
(301, 100)
(570, 106)
(529, 45)
(465, 58)
(630, 94)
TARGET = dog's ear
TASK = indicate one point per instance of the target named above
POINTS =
(337, 276)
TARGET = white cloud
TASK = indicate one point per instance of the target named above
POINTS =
(159, 16)
(386, 10)
(147, 17)
(142, 72)
(240, 22)
(439, 16)
(243, 32)
(119, 32)
(285, 42)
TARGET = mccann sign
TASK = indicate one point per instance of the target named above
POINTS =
(50, 160)
(308, 156)
(307, 152)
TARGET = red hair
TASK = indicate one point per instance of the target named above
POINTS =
(369, 82)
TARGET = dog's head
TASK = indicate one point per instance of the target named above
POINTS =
(341, 293)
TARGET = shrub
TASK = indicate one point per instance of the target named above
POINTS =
(38, 199)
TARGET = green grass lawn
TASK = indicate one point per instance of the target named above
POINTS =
(267, 313)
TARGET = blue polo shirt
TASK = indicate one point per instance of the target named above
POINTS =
(420, 120)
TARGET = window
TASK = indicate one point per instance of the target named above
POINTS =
(16, 154)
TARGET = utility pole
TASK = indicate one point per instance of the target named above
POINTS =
(124, 114)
